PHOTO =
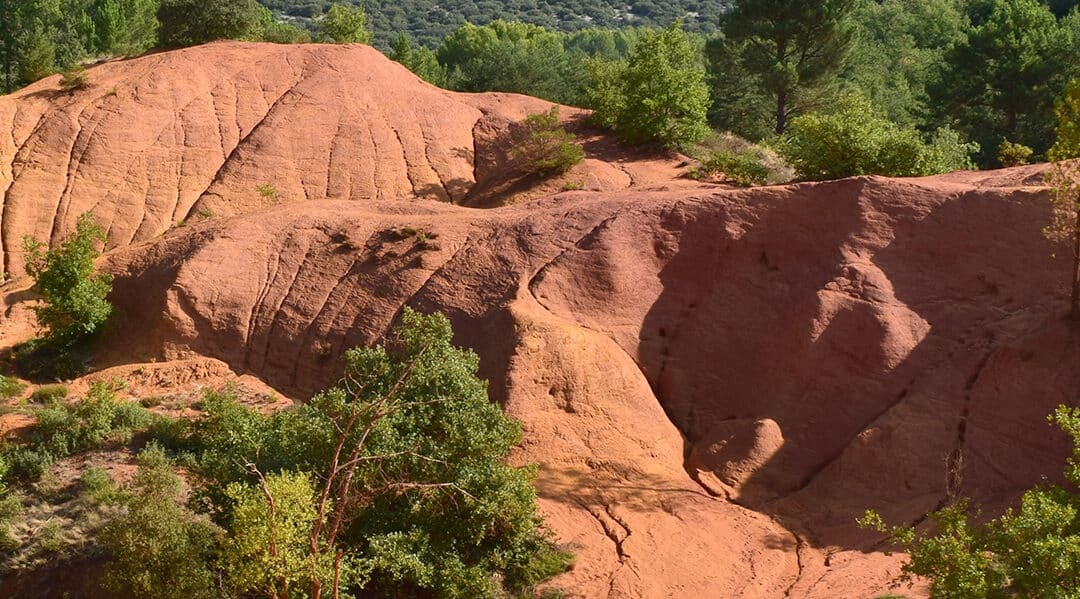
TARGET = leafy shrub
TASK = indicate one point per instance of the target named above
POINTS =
(1028, 552)
(544, 146)
(49, 393)
(66, 428)
(657, 94)
(947, 152)
(10, 387)
(346, 24)
(156, 547)
(74, 79)
(74, 305)
(744, 169)
(99, 487)
(429, 505)
(852, 139)
(193, 22)
(1013, 154)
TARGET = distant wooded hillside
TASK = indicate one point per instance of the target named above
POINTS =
(427, 22)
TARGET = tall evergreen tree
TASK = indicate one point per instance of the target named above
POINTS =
(1003, 81)
(790, 45)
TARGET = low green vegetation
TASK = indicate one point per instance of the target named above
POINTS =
(543, 147)
(1026, 552)
(10, 387)
(392, 483)
(744, 168)
(851, 139)
(73, 307)
(1010, 154)
(49, 393)
(65, 428)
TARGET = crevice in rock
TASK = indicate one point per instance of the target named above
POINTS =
(800, 546)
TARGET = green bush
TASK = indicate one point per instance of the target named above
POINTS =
(657, 94)
(1027, 552)
(156, 547)
(852, 139)
(73, 299)
(49, 393)
(74, 79)
(10, 387)
(544, 147)
(99, 486)
(430, 506)
(63, 429)
(1012, 154)
(193, 22)
(345, 24)
(744, 169)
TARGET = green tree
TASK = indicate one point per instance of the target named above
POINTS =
(898, 54)
(852, 139)
(156, 547)
(269, 549)
(421, 61)
(544, 147)
(193, 22)
(124, 26)
(1002, 83)
(1033, 551)
(74, 305)
(512, 57)
(790, 47)
(413, 495)
(1064, 180)
(659, 93)
(344, 24)
(36, 53)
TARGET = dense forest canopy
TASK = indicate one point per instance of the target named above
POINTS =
(427, 22)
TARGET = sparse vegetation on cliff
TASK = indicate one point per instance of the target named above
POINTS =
(1027, 552)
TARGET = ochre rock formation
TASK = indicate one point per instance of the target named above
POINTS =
(715, 383)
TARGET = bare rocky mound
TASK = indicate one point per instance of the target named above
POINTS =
(232, 127)
(715, 384)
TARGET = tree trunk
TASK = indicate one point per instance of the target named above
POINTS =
(781, 111)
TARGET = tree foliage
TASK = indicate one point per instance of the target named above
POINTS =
(192, 22)
(789, 47)
(544, 147)
(1033, 551)
(852, 140)
(658, 94)
(73, 296)
(345, 24)
(156, 547)
(1064, 180)
(392, 483)
(1001, 82)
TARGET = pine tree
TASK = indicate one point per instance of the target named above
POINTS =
(791, 45)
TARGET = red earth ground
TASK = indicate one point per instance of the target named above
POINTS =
(714, 382)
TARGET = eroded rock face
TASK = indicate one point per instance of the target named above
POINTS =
(857, 334)
(730, 454)
(231, 127)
